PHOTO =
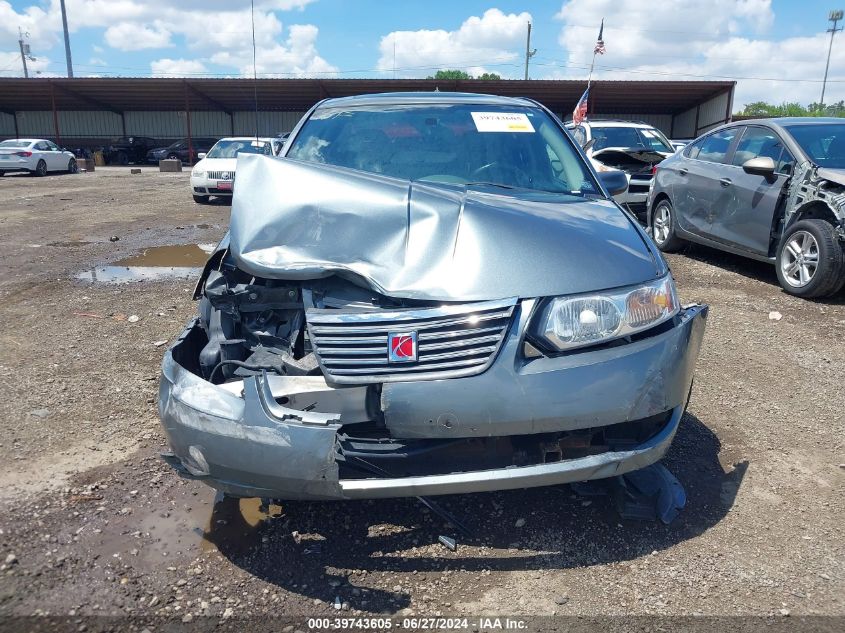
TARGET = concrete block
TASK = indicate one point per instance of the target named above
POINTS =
(134, 171)
(170, 165)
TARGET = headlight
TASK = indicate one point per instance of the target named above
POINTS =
(569, 322)
(198, 173)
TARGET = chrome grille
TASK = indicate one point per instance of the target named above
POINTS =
(218, 175)
(452, 341)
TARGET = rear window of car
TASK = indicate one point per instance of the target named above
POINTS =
(14, 144)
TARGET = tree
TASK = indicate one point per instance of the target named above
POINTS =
(451, 75)
(764, 109)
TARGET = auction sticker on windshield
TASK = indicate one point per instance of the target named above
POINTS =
(501, 122)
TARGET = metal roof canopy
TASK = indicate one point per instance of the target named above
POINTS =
(232, 95)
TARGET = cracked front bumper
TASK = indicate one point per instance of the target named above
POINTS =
(241, 440)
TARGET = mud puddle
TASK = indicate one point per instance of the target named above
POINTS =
(206, 523)
(182, 261)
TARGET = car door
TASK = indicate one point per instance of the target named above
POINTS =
(699, 188)
(56, 160)
(745, 220)
(41, 151)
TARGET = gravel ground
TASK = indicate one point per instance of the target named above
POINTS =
(93, 523)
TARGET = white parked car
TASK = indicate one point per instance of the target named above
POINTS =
(36, 156)
(634, 148)
(214, 175)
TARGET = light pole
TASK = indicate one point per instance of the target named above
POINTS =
(528, 52)
(67, 41)
(834, 17)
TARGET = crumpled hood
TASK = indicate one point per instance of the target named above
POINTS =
(833, 175)
(296, 220)
(645, 155)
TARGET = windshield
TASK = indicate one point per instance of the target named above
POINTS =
(509, 146)
(824, 143)
(231, 149)
(14, 144)
(630, 138)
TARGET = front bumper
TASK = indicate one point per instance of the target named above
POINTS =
(239, 439)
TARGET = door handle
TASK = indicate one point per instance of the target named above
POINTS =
(683, 171)
(726, 182)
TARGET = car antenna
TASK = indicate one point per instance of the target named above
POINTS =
(254, 68)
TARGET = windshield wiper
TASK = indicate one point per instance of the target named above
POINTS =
(490, 184)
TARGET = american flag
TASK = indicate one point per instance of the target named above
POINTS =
(599, 49)
(580, 111)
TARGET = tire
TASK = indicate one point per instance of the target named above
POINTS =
(2, 173)
(810, 260)
(72, 166)
(40, 169)
(663, 227)
(173, 157)
(122, 158)
(201, 199)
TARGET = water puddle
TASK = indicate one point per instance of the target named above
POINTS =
(183, 261)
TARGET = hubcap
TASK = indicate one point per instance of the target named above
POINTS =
(799, 259)
(662, 222)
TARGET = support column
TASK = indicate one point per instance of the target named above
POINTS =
(188, 123)
(55, 115)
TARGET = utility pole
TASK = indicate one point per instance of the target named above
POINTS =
(528, 52)
(24, 51)
(67, 41)
(834, 17)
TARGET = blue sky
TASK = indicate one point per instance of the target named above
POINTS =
(775, 49)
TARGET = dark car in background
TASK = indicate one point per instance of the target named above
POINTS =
(772, 190)
(428, 293)
(128, 149)
(180, 150)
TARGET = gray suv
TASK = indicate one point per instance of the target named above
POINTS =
(772, 190)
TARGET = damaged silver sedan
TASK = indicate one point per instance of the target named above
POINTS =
(429, 294)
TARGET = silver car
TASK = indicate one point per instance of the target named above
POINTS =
(772, 190)
(430, 293)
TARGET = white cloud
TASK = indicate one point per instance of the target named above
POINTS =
(480, 44)
(204, 27)
(697, 39)
(177, 67)
(128, 36)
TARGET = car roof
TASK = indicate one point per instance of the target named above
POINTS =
(600, 123)
(266, 139)
(28, 140)
(398, 98)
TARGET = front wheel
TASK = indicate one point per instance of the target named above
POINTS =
(810, 260)
(201, 199)
(663, 227)
(40, 169)
(72, 166)
(122, 158)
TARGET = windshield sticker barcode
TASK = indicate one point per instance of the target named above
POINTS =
(501, 122)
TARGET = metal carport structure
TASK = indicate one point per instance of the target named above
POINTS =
(91, 110)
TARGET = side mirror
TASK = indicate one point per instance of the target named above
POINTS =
(760, 166)
(201, 155)
(615, 182)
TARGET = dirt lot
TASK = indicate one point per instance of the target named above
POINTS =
(93, 523)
